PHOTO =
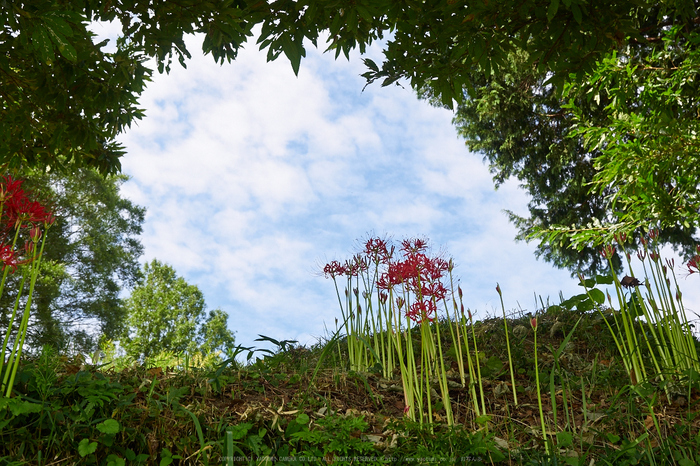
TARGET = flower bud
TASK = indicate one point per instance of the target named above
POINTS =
(35, 234)
(533, 323)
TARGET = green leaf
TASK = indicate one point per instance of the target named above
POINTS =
(18, 406)
(86, 447)
(577, 13)
(114, 460)
(109, 426)
(239, 431)
(58, 25)
(371, 65)
(604, 279)
(552, 10)
(564, 439)
(64, 47)
(597, 295)
(292, 50)
(42, 44)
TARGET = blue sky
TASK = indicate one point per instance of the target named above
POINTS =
(253, 178)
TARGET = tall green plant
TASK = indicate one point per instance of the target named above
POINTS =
(667, 334)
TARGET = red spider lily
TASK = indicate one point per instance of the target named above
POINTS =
(459, 291)
(653, 233)
(22, 211)
(641, 255)
(400, 302)
(8, 258)
(533, 323)
(355, 266)
(608, 251)
(378, 251)
(398, 273)
(435, 268)
(11, 188)
(435, 290)
(654, 256)
(413, 246)
(621, 238)
(694, 265)
(421, 311)
(333, 269)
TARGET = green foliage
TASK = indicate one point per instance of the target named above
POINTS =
(63, 100)
(648, 142)
(70, 99)
(91, 254)
(445, 445)
(166, 314)
(153, 416)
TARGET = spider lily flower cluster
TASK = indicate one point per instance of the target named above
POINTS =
(391, 294)
(23, 222)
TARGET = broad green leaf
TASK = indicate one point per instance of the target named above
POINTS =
(604, 279)
(86, 447)
(292, 51)
(239, 431)
(576, 10)
(42, 44)
(371, 65)
(64, 47)
(114, 460)
(564, 439)
(58, 25)
(552, 10)
(18, 407)
(109, 426)
(597, 295)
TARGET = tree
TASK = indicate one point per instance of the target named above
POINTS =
(166, 314)
(91, 255)
(527, 130)
(648, 140)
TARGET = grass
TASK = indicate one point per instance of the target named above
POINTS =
(303, 405)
